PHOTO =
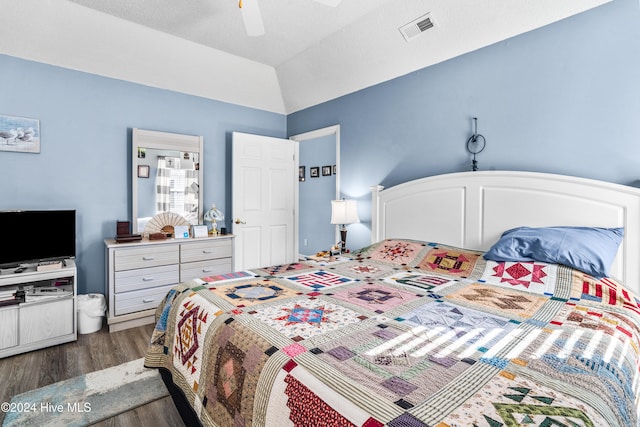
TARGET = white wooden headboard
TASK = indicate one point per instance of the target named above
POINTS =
(472, 209)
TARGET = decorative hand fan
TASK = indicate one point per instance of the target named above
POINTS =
(164, 222)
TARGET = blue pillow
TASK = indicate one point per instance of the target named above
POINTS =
(588, 249)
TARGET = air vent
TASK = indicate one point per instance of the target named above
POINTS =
(416, 27)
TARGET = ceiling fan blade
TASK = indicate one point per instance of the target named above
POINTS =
(332, 3)
(252, 18)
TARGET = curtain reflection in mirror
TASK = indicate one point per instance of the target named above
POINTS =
(177, 187)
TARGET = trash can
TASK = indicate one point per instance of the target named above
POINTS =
(91, 308)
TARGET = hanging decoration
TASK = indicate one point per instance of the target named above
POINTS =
(475, 144)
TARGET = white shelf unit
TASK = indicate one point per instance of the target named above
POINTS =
(39, 321)
(139, 274)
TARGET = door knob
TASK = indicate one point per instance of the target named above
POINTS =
(239, 221)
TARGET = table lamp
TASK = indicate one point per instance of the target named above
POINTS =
(344, 212)
(213, 215)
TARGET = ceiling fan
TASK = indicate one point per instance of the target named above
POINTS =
(253, 19)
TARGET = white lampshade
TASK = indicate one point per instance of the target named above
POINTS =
(344, 212)
(214, 214)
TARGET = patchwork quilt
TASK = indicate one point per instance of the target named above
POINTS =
(404, 334)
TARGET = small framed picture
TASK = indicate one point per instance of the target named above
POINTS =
(314, 172)
(143, 171)
(302, 171)
(19, 134)
(335, 170)
(199, 231)
(326, 170)
(181, 232)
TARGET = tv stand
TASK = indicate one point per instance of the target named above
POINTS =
(47, 316)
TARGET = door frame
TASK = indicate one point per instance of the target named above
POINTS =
(318, 133)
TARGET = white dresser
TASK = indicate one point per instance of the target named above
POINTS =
(140, 274)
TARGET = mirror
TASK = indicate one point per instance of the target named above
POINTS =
(166, 176)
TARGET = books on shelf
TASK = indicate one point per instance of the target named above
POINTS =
(6, 296)
(11, 297)
(49, 265)
(15, 301)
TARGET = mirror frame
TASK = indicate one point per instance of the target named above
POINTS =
(163, 141)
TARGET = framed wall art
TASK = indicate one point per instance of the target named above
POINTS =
(143, 171)
(302, 171)
(326, 170)
(314, 172)
(19, 134)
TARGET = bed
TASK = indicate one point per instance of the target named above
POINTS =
(421, 328)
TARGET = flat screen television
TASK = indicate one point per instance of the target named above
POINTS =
(36, 235)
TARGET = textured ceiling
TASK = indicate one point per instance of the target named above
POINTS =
(291, 26)
(310, 52)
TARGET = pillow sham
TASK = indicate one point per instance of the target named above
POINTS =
(588, 249)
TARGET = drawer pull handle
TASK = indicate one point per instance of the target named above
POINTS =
(148, 258)
(147, 279)
(146, 300)
(207, 251)
(207, 270)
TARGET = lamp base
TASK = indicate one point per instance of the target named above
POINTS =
(343, 238)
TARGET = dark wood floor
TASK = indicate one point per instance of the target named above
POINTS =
(91, 352)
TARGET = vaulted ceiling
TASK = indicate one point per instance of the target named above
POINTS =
(310, 51)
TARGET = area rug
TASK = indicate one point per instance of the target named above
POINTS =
(87, 399)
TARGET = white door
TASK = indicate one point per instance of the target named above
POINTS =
(264, 199)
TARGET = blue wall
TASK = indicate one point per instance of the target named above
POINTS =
(315, 195)
(84, 163)
(561, 99)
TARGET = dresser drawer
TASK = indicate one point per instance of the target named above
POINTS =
(130, 302)
(210, 249)
(140, 274)
(143, 257)
(195, 270)
(144, 278)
